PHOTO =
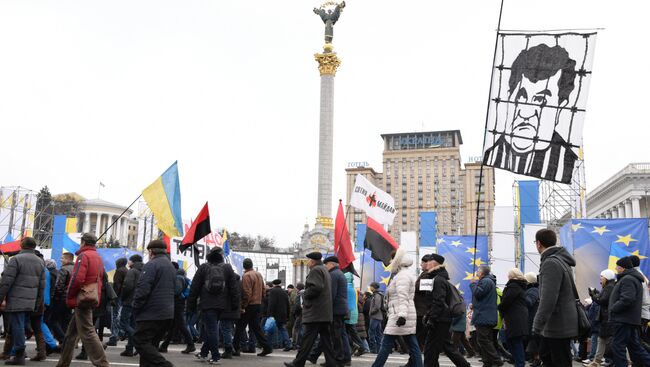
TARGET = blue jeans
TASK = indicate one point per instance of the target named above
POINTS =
(126, 321)
(192, 318)
(18, 329)
(387, 343)
(210, 331)
(517, 351)
(116, 327)
(627, 337)
(594, 346)
(375, 335)
(284, 334)
(227, 331)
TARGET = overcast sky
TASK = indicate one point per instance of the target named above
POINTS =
(115, 91)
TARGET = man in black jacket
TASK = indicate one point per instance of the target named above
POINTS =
(279, 310)
(127, 291)
(153, 305)
(118, 279)
(438, 318)
(625, 314)
(180, 324)
(59, 323)
(210, 284)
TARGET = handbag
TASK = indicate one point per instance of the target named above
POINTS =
(584, 325)
(88, 296)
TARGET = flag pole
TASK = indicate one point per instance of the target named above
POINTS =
(118, 218)
(487, 117)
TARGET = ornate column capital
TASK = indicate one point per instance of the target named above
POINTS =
(328, 63)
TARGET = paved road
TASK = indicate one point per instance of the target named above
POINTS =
(246, 360)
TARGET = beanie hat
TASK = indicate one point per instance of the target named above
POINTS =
(437, 258)
(531, 277)
(608, 274)
(636, 261)
(625, 262)
(135, 258)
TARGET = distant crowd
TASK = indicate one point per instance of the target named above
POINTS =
(536, 318)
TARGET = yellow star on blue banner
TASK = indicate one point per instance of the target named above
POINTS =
(600, 230)
(625, 239)
(576, 226)
(456, 243)
(477, 262)
(472, 250)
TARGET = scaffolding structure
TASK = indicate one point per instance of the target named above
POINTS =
(559, 203)
(17, 212)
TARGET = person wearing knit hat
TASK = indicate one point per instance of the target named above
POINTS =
(624, 263)
(439, 259)
(531, 277)
(608, 274)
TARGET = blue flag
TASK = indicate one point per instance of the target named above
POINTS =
(459, 259)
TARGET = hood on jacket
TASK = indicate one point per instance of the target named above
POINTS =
(138, 265)
(215, 255)
(633, 273)
(517, 282)
(120, 263)
(400, 261)
(561, 253)
(492, 277)
(440, 271)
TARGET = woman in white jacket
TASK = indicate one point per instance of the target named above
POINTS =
(401, 310)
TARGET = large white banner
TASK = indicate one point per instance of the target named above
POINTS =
(376, 203)
(538, 103)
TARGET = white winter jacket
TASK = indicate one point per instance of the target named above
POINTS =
(399, 294)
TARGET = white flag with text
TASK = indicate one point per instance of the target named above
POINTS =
(377, 204)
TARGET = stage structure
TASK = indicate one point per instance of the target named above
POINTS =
(17, 212)
(559, 203)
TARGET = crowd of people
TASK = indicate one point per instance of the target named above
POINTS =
(535, 318)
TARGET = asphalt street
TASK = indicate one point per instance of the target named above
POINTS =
(246, 360)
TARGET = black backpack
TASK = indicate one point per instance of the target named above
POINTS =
(215, 281)
(456, 302)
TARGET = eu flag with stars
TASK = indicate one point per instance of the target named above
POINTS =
(598, 243)
(459, 259)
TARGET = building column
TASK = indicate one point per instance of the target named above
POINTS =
(621, 210)
(118, 231)
(636, 207)
(98, 223)
(86, 226)
(614, 213)
(628, 209)
(608, 214)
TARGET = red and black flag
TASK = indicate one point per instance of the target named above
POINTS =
(199, 229)
(379, 242)
(342, 244)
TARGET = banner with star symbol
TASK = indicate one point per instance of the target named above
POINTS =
(459, 259)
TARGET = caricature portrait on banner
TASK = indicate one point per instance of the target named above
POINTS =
(538, 102)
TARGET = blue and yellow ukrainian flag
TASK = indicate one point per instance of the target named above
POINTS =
(163, 197)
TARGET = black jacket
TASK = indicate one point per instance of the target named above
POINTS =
(127, 290)
(154, 295)
(234, 311)
(278, 304)
(532, 302)
(602, 300)
(513, 308)
(62, 282)
(317, 299)
(226, 301)
(339, 292)
(627, 298)
(120, 274)
(422, 298)
(439, 296)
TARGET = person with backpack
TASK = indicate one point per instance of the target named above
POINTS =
(514, 312)
(377, 314)
(484, 315)
(127, 291)
(444, 297)
(401, 310)
(212, 283)
(181, 284)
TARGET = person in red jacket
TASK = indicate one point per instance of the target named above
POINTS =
(88, 269)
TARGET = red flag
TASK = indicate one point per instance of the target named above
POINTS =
(10, 247)
(379, 242)
(342, 243)
(199, 229)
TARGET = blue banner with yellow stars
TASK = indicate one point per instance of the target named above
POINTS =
(598, 243)
(373, 271)
(459, 258)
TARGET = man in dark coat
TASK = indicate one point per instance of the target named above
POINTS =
(514, 313)
(59, 324)
(279, 309)
(484, 315)
(22, 287)
(557, 317)
(229, 317)
(316, 313)
(213, 301)
(127, 291)
(118, 279)
(625, 306)
(153, 305)
(340, 309)
(437, 319)
(607, 281)
(422, 301)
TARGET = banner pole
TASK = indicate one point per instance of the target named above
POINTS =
(118, 218)
(487, 117)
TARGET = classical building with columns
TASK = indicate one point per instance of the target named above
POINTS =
(624, 195)
(95, 215)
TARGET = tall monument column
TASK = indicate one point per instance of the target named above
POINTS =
(328, 63)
